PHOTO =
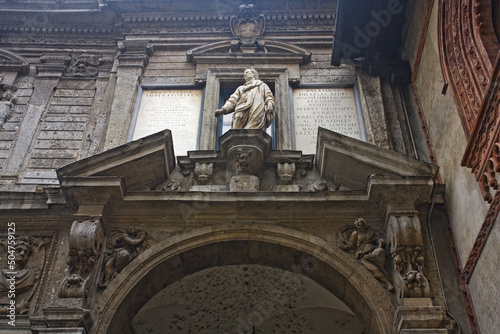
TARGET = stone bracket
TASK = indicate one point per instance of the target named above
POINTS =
(404, 233)
(63, 320)
(420, 319)
(85, 245)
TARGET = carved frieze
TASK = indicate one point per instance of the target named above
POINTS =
(362, 241)
(25, 260)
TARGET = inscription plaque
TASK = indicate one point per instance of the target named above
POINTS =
(330, 108)
(178, 110)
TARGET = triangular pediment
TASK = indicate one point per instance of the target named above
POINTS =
(350, 162)
(268, 51)
(143, 163)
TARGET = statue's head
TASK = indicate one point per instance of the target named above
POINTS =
(23, 252)
(360, 223)
(250, 72)
(131, 231)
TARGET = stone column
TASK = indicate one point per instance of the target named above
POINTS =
(49, 72)
(132, 60)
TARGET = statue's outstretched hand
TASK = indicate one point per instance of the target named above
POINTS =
(269, 107)
(219, 112)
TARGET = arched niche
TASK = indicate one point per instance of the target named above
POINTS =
(216, 246)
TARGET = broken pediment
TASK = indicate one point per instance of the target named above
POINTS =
(233, 51)
(12, 62)
(142, 176)
(350, 162)
(248, 46)
(141, 164)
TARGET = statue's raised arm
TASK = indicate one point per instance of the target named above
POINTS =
(252, 104)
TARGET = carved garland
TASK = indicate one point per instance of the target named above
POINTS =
(467, 72)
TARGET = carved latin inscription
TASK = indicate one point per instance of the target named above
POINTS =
(330, 108)
(176, 110)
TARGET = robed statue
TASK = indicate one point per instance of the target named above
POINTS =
(252, 104)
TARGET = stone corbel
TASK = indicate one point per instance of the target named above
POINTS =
(406, 244)
(85, 245)
(134, 53)
(416, 312)
(53, 65)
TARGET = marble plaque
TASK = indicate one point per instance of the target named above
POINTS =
(330, 108)
(178, 110)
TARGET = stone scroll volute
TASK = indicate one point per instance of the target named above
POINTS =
(85, 246)
(406, 247)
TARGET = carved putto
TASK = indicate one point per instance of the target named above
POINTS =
(23, 274)
(367, 248)
(247, 26)
(122, 246)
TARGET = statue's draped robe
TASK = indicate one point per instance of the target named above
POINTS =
(248, 103)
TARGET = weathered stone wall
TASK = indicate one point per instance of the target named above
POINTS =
(64, 113)
(464, 201)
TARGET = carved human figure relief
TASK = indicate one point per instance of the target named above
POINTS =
(122, 246)
(409, 262)
(363, 242)
(22, 274)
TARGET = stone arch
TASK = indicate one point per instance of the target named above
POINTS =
(274, 246)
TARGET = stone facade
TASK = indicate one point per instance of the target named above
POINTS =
(115, 235)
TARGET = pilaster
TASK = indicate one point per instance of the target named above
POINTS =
(49, 72)
(132, 60)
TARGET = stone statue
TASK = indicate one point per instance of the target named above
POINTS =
(368, 249)
(7, 102)
(123, 247)
(252, 104)
(24, 279)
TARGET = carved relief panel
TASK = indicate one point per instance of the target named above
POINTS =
(23, 264)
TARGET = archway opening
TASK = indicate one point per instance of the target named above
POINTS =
(297, 253)
(245, 299)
